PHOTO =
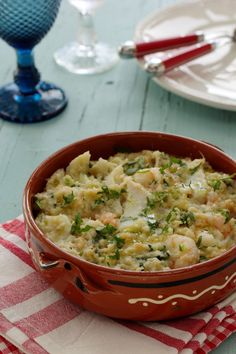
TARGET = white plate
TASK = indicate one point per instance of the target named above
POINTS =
(211, 79)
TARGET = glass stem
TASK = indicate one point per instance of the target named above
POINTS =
(87, 35)
(26, 76)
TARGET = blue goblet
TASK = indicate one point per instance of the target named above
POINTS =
(23, 23)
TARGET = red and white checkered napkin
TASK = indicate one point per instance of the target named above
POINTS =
(36, 319)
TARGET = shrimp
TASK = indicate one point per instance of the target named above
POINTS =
(230, 205)
(228, 228)
(207, 219)
(212, 197)
(183, 251)
(107, 218)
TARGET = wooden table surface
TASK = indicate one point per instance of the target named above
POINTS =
(122, 99)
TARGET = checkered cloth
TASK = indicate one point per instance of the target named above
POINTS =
(36, 319)
(7, 348)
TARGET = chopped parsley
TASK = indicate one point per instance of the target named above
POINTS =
(172, 214)
(216, 183)
(203, 258)
(150, 248)
(119, 241)
(165, 254)
(174, 159)
(156, 198)
(181, 247)
(68, 199)
(165, 229)
(131, 167)
(99, 201)
(199, 241)
(229, 179)
(164, 167)
(68, 180)
(226, 214)
(194, 169)
(187, 218)
(37, 203)
(116, 255)
(76, 226)
(152, 223)
(105, 232)
(108, 194)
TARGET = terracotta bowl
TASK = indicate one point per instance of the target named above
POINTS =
(126, 294)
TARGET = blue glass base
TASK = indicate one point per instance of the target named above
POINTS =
(47, 102)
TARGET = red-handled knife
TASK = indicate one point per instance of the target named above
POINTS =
(131, 49)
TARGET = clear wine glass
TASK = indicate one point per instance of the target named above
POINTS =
(86, 55)
(23, 23)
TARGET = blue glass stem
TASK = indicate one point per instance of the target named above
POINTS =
(26, 76)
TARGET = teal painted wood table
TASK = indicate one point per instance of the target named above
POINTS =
(122, 99)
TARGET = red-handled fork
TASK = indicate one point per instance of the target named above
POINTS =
(131, 49)
(160, 66)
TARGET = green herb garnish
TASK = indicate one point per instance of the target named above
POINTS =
(152, 223)
(164, 167)
(99, 201)
(174, 159)
(216, 183)
(194, 169)
(119, 241)
(199, 241)
(116, 255)
(108, 194)
(150, 248)
(187, 218)
(229, 180)
(165, 229)
(104, 232)
(226, 214)
(37, 203)
(68, 180)
(181, 247)
(68, 199)
(76, 226)
(131, 167)
(165, 254)
(172, 214)
(156, 198)
(203, 258)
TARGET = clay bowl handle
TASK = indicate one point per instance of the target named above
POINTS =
(74, 273)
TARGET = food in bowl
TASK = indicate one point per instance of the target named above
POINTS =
(142, 211)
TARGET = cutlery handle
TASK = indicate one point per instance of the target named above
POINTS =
(159, 67)
(131, 49)
(166, 44)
